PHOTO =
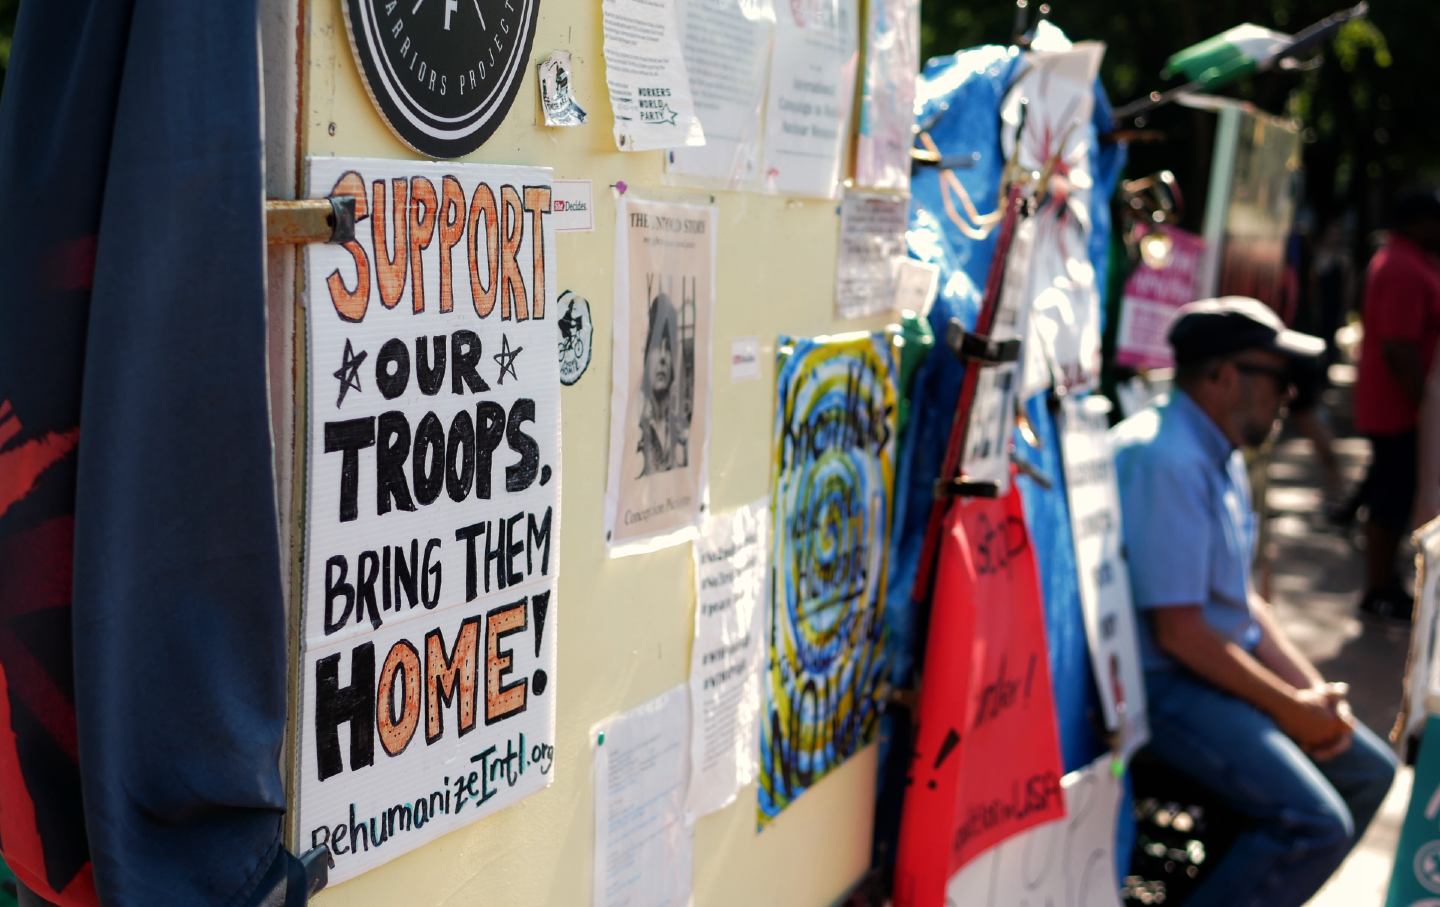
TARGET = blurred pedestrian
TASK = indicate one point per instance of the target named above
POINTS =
(1233, 703)
(1401, 319)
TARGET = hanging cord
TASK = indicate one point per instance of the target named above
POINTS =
(973, 224)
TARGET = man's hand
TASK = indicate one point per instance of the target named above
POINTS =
(1335, 696)
(1313, 720)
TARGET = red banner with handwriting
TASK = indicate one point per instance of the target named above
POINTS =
(987, 762)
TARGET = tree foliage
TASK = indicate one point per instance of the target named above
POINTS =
(8, 11)
(1367, 105)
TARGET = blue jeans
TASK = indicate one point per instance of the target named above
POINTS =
(1304, 816)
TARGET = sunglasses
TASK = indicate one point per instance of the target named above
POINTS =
(1280, 375)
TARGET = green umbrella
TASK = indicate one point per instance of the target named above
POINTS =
(1233, 53)
(1237, 52)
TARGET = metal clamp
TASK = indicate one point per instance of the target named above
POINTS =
(979, 348)
(318, 861)
(309, 220)
(961, 487)
(1026, 468)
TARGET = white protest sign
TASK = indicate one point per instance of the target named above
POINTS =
(812, 84)
(727, 53)
(645, 72)
(433, 523)
(1055, 97)
(643, 845)
(1100, 563)
(1066, 863)
(872, 244)
(986, 457)
(727, 656)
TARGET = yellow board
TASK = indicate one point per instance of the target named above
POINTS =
(624, 626)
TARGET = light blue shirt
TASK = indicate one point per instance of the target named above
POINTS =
(1186, 520)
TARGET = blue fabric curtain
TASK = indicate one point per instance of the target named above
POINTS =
(142, 633)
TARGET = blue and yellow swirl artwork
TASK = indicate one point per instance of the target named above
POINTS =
(832, 472)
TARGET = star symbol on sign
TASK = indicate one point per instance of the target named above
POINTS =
(506, 359)
(349, 372)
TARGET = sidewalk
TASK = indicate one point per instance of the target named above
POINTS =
(1316, 582)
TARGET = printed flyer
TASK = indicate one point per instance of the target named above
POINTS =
(812, 84)
(644, 850)
(645, 72)
(727, 53)
(660, 395)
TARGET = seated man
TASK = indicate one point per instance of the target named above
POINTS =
(1233, 703)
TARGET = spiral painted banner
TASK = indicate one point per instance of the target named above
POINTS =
(832, 471)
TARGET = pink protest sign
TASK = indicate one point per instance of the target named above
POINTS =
(1152, 294)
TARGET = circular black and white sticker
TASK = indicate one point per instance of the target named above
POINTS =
(576, 333)
(442, 72)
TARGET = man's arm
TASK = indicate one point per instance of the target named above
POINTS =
(1402, 360)
(1279, 653)
(1302, 712)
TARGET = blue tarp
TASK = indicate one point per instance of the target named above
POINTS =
(959, 100)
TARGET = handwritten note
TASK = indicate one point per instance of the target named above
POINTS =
(726, 659)
(642, 843)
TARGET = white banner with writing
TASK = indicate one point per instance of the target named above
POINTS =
(432, 490)
(1100, 562)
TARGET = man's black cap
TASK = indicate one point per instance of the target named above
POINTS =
(1219, 327)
